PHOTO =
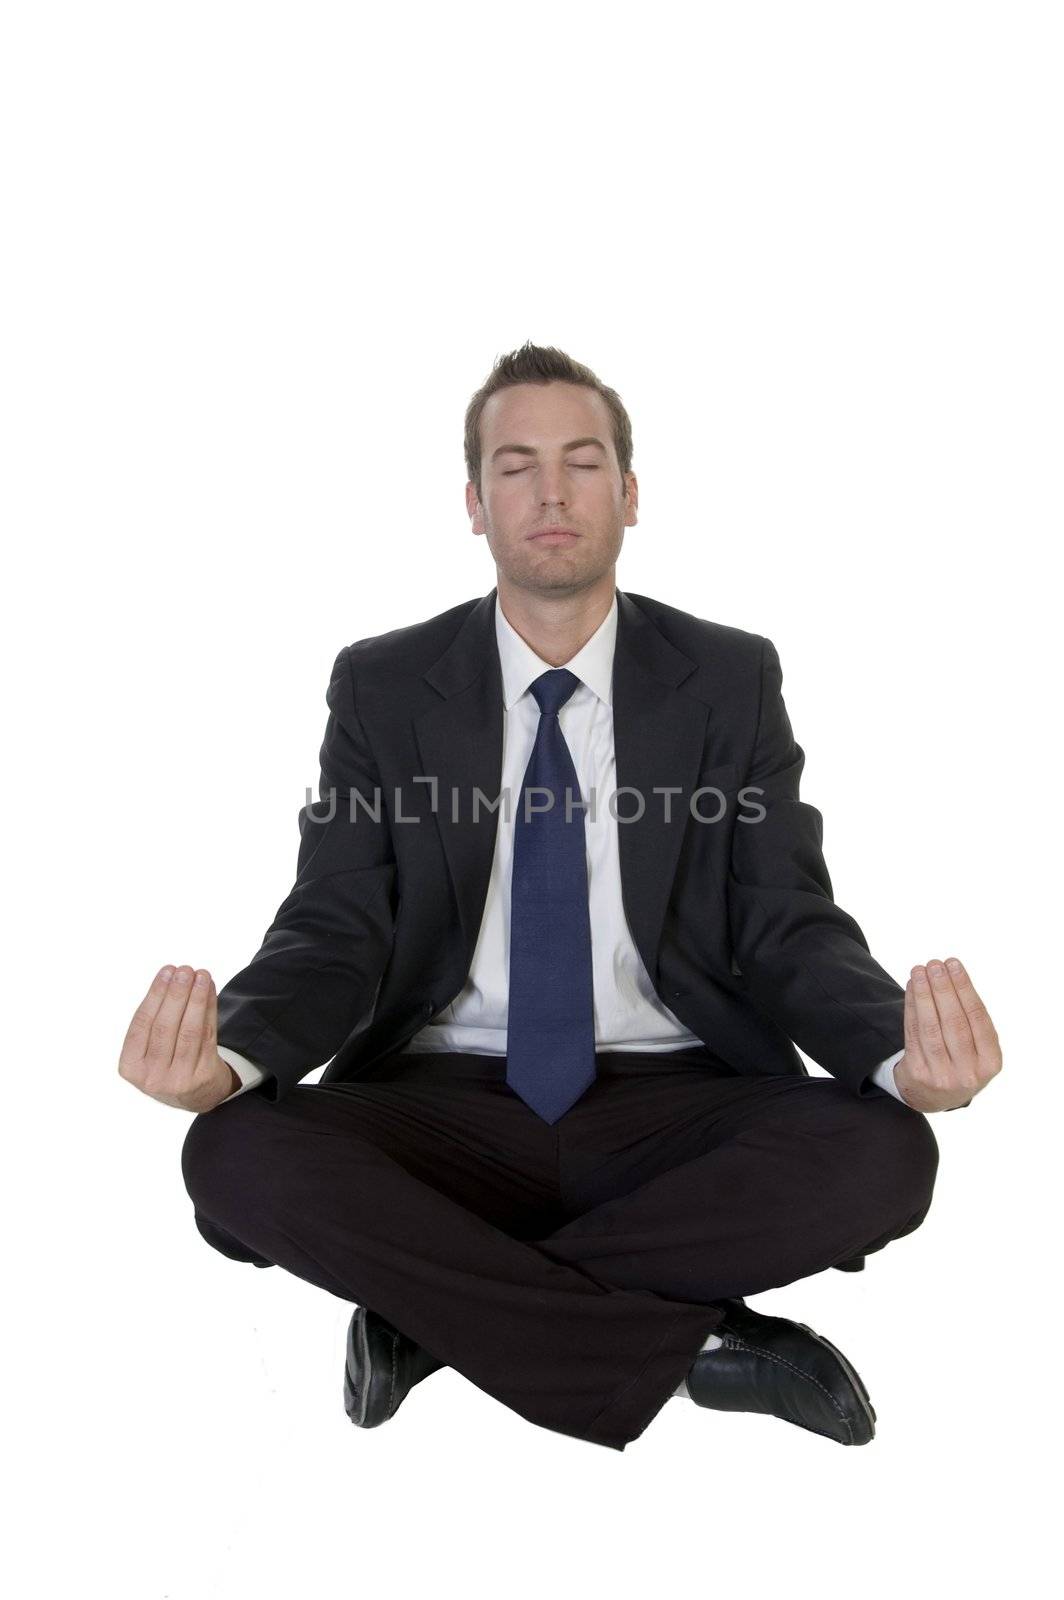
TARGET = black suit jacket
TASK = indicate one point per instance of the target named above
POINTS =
(734, 919)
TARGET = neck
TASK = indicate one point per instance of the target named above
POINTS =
(556, 626)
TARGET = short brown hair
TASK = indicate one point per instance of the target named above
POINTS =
(538, 363)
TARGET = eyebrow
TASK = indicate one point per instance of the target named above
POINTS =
(528, 450)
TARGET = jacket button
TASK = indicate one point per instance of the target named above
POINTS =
(430, 1007)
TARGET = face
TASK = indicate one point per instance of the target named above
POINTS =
(548, 460)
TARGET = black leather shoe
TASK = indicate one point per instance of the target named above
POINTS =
(382, 1366)
(784, 1369)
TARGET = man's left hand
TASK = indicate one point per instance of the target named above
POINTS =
(951, 1045)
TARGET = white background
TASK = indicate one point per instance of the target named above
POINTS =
(257, 259)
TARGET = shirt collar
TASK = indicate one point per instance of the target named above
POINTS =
(592, 663)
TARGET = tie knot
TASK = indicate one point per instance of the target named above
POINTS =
(552, 689)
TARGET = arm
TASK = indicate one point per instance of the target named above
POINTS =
(318, 969)
(803, 960)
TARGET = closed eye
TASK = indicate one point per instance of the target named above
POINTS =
(581, 466)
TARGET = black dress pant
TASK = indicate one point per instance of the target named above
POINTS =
(571, 1271)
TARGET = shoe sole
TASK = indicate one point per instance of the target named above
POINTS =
(356, 1399)
(853, 1375)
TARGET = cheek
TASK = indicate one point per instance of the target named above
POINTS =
(510, 508)
(605, 490)
(504, 497)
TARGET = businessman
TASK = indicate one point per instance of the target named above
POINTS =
(559, 922)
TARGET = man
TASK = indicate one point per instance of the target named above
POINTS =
(559, 920)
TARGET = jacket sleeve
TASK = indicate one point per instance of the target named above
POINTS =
(317, 972)
(802, 959)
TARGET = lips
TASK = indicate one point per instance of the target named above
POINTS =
(547, 533)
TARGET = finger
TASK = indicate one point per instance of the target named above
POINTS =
(188, 1046)
(932, 1045)
(987, 1044)
(952, 1017)
(135, 1043)
(163, 1038)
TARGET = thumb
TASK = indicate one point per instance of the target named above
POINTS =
(912, 1037)
(209, 1042)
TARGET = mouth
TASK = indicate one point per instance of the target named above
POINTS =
(553, 535)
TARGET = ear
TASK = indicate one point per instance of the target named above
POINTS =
(631, 500)
(474, 509)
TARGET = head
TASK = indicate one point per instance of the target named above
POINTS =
(548, 445)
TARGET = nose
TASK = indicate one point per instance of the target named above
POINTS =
(552, 484)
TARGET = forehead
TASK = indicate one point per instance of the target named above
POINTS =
(542, 414)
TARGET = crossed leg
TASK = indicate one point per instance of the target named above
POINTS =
(725, 1194)
(569, 1271)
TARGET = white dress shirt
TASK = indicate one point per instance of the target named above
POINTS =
(628, 1014)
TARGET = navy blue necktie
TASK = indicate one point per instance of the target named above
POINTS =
(550, 1034)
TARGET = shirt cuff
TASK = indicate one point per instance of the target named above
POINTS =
(883, 1076)
(249, 1074)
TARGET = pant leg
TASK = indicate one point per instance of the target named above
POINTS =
(410, 1195)
(728, 1185)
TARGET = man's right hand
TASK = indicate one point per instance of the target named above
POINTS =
(170, 1049)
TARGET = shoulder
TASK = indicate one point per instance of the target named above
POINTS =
(410, 649)
(709, 642)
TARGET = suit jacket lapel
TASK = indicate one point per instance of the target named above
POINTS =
(658, 741)
(460, 743)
